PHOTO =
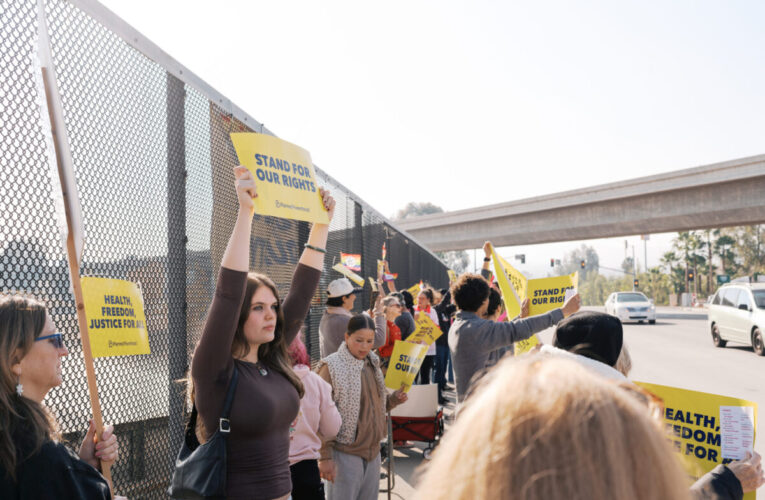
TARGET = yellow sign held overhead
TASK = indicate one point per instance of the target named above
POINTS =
(284, 177)
(695, 423)
(116, 319)
(452, 275)
(340, 268)
(544, 294)
(509, 295)
(414, 290)
(405, 362)
(426, 330)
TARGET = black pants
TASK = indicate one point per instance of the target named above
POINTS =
(306, 483)
(425, 369)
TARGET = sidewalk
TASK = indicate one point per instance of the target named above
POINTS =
(407, 460)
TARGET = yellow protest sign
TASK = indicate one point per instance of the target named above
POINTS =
(425, 331)
(404, 364)
(517, 279)
(284, 176)
(116, 320)
(525, 346)
(414, 290)
(372, 283)
(380, 267)
(695, 422)
(340, 268)
(452, 275)
(509, 295)
(546, 294)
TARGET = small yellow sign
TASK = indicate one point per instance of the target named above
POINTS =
(284, 177)
(525, 346)
(340, 268)
(426, 331)
(116, 320)
(452, 275)
(404, 364)
(695, 423)
(414, 290)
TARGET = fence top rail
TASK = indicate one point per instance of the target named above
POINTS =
(149, 49)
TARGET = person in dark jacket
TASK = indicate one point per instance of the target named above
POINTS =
(405, 322)
(33, 461)
(599, 337)
(445, 309)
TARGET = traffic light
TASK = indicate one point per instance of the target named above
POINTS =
(690, 275)
(581, 264)
(552, 262)
(636, 283)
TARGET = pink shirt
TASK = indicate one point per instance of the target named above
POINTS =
(318, 419)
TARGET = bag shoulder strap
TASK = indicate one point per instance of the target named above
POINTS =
(223, 425)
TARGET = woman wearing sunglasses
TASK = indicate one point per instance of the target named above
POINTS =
(33, 461)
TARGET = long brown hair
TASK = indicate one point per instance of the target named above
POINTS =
(543, 428)
(274, 354)
(22, 320)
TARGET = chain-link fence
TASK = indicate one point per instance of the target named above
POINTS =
(152, 163)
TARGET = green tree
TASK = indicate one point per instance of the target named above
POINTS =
(750, 248)
(572, 261)
(724, 248)
(628, 265)
(457, 260)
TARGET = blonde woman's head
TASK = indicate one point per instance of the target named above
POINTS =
(545, 428)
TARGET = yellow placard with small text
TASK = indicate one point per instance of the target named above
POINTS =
(414, 290)
(405, 362)
(340, 268)
(284, 177)
(115, 316)
(692, 421)
(546, 294)
(509, 295)
(452, 275)
(525, 346)
(426, 330)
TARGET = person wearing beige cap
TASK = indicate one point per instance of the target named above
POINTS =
(341, 296)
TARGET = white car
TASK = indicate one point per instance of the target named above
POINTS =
(737, 314)
(631, 306)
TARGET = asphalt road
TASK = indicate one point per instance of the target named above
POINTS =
(676, 351)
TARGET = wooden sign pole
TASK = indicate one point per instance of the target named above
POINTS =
(60, 143)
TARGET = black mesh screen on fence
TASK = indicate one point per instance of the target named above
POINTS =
(152, 162)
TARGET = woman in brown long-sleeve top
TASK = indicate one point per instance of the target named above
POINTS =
(248, 327)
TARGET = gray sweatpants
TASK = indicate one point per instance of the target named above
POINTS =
(356, 479)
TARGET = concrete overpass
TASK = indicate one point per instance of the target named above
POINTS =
(718, 195)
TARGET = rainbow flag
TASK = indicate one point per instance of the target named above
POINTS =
(351, 260)
(384, 251)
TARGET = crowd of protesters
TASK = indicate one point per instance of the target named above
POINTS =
(561, 422)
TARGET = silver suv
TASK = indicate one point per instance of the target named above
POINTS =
(737, 314)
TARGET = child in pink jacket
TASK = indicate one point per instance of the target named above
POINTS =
(318, 420)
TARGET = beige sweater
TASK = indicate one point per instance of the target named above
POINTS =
(372, 424)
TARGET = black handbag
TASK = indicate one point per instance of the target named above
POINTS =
(200, 469)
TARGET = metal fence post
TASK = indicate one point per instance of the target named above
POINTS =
(176, 258)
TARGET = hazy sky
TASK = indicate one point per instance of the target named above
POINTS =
(470, 103)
